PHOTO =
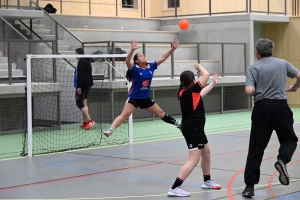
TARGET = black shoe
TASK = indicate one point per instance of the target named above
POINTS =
(249, 191)
(283, 175)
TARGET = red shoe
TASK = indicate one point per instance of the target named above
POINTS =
(83, 125)
(89, 124)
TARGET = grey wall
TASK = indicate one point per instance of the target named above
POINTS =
(218, 30)
(244, 28)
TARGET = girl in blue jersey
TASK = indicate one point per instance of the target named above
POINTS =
(140, 72)
(193, 121)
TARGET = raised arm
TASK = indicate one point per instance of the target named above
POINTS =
(294, 88)
(208, 88)
(134, 46)
(175, 45)
(204, 74)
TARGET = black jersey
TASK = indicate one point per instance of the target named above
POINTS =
(191, 105)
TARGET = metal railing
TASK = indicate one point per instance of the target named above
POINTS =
(57, 24)
(248, 9)
(19, 4)
(109, 47)
(141, 6)
(16, 51)
(268, 8)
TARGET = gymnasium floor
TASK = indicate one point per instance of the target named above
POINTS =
(146, 169)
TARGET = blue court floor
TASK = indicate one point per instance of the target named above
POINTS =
(145, 170)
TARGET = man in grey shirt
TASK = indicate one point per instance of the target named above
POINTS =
(266, 80)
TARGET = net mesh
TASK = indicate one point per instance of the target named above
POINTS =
(56, 119)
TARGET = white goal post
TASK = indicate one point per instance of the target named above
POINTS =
(55, 84)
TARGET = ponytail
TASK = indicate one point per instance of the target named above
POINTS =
(186, 80)
(180, 88)
(128, 75)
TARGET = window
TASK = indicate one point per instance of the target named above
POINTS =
(171, 3)
(127, 3)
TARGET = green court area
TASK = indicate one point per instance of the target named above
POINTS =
(11, 145)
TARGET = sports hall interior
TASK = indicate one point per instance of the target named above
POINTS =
(221, 37)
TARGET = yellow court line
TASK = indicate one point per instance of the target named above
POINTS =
(160, 195)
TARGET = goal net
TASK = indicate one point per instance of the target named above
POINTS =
(53, 118)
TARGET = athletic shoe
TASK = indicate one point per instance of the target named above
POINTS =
(283, 175)
(178, 192)
(89, 124)
(83, 125)
(210, 184)
(248, 192)
(109, 131)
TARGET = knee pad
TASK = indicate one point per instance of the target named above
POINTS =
(79, 103)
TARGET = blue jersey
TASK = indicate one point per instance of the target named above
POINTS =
(141, 80)
(75, 77)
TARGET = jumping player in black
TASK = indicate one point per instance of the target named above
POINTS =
(193, 121)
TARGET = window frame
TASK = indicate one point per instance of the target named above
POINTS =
(132, 4)
(170, 2)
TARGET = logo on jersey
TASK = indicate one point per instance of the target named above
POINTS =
(191, 145)
(146, 83)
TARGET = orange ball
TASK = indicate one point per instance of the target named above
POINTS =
(183, 24)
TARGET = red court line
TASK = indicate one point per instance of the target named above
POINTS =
(229, 185)
(106, 172)
(270, 185)
(75, 177)
(241, 151)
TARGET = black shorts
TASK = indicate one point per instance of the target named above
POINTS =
(84, 93)
(194, 134)
(142, 103)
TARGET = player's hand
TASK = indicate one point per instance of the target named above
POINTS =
(197, 67)
(216, 78)
(134, 45)
(78, 90)
(291, 89)
(175, 44)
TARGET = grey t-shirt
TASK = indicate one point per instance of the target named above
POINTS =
(268, 76)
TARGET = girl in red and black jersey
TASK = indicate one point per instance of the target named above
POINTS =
(193, 120)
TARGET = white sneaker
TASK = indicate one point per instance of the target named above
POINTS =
(178, 192)
(211, 184)
(109, 131)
